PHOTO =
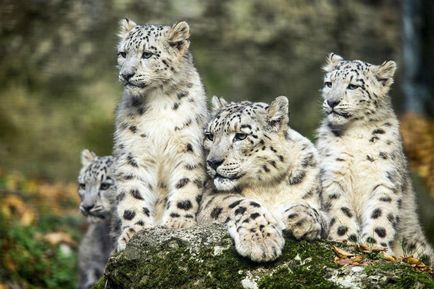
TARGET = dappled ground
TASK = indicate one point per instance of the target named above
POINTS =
(40, 228)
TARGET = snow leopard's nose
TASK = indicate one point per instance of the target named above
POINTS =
(213, 163)
(87, 208)
(333, 103)
(127, 76)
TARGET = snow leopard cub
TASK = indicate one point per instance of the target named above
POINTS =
(97, 192)
(366, 186)
(158, 153)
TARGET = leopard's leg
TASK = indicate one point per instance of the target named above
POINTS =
(186, 184)
(380, 217)
(305, 221)
(135, 184)
(90, 258)
(343, 225)
(412, 242)
(304, 217)
(256, 233)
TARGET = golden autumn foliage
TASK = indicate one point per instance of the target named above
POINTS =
(13, 207)
(21, 197)
(418, 136)
(40, 226)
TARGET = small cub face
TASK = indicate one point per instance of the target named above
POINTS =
(239, 141)
(97, 189)
(354, 89)
(149, 55)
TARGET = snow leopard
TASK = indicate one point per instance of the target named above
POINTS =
(97, 190)
(366, 184)
(159, 160)
(264, 178)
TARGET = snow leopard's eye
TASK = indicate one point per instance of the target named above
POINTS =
(104, 186)
(328, 84)
(122, 54)
(147, 54)
(82, 186)
(209, 136)
(240, 136)
(352, 86)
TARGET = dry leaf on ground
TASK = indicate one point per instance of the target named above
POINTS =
(56, 238)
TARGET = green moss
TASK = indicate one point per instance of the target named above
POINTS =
(204, 257)
(396, 276)
(173, 266)
(302, 265)
(305, 266)
(100, 284)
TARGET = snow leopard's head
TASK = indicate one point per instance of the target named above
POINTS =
(96, 185)
(245, 143)
(354, 89)
(150, 55)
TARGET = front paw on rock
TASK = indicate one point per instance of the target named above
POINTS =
(127, 234)
(124, 238)
(262, 244)
(178, 222)
(302, 224)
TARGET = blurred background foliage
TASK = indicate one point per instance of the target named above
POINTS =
(59, 88)
(58, 81)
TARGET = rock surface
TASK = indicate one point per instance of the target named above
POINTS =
(204, 257)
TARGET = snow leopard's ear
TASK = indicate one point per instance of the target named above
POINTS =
(277, 113)
(217, 103)
(87, 157)
(178, 36)
(385, 72)
(332, 60)
(126, 25)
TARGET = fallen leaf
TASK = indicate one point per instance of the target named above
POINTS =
(56, 238)
(378, 249)
(367, 248)
(363, 247)
(411, 260)
(341, 252)
(343, 262)
(389, 257)
(358, 258)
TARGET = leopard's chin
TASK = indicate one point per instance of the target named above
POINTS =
(95, 219)
(225, 184)
(136, 89)
(335, 119)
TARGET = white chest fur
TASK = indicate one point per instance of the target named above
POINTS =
(168, 121)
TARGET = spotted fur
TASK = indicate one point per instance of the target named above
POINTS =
(97, 191)
(366, 186)
(159, 159)
(265, 178)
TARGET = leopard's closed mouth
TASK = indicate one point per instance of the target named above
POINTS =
(97, 215)
(142, 85)
(227, 178)
(343, 114)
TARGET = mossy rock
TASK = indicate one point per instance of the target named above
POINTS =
(204, 257)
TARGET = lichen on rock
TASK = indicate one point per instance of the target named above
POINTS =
(204, 257)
